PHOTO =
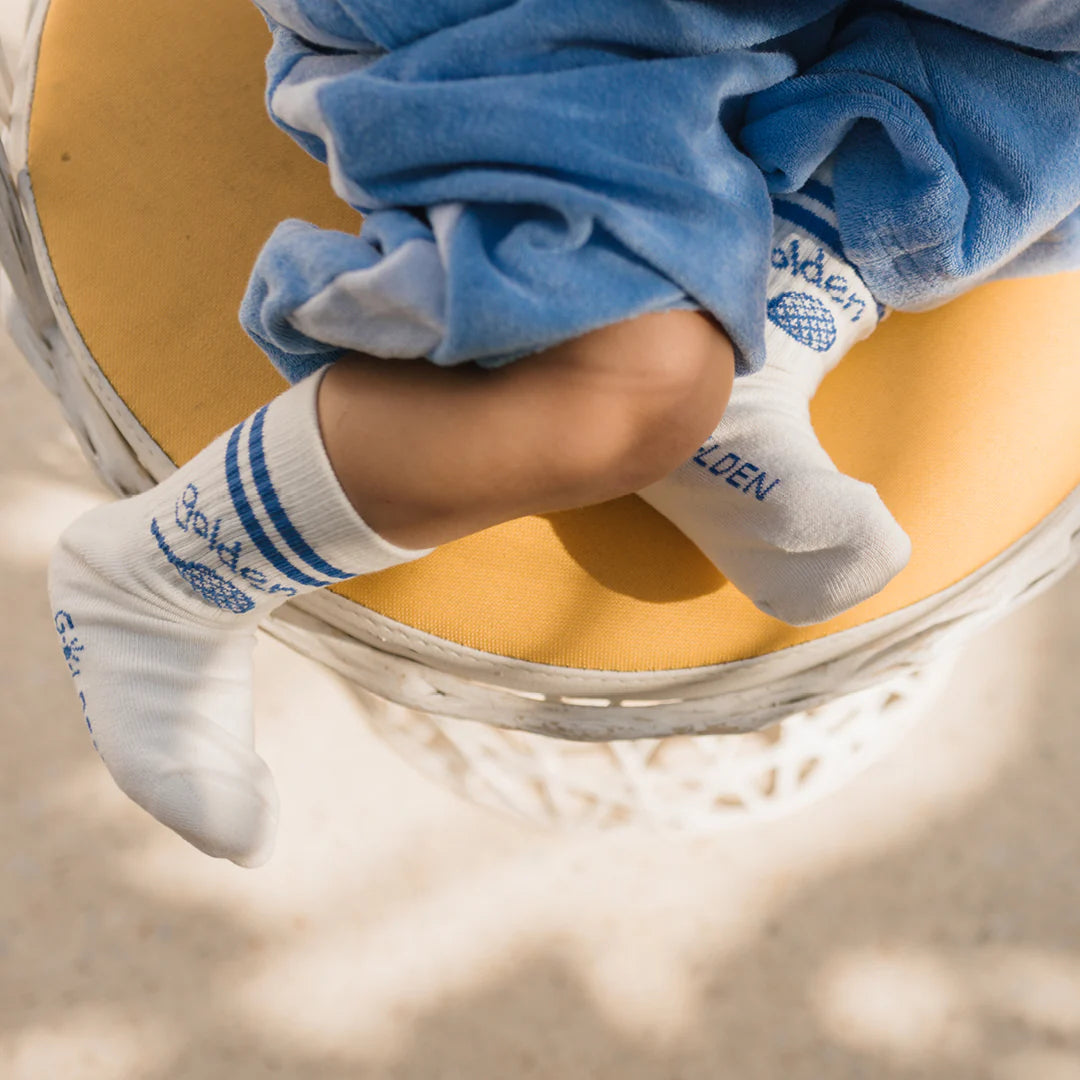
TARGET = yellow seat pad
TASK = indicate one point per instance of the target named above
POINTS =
(157, 176)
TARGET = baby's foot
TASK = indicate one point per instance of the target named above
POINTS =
(156, 600)
(761, 498)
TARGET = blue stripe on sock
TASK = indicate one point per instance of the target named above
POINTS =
(805, 219)
(270, 500)
(817, 190)
(248, 520)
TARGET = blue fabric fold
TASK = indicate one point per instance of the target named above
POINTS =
(952, 153)
(530, 170)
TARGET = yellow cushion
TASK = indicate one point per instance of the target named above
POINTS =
(157, 176)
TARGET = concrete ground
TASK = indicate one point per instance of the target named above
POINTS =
(921, 924)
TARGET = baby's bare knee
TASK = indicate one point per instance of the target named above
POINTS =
(658, 386)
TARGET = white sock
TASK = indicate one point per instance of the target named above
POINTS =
(761, 498)
(156, 601)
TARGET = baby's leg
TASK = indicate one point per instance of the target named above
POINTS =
(156, 598)
(429, 454)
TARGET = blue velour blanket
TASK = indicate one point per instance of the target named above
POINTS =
(530, 170)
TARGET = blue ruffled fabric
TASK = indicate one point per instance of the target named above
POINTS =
(530, 170)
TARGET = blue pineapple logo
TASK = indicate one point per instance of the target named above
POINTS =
(204, 580)
(805, 318)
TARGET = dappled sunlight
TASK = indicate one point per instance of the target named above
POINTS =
(642, 980)
(361, 986)
(62, 458)
(1038, 987)
(451, 939)
(913, 1005)
(35, 511)
(900, 1001)
(93, 1039)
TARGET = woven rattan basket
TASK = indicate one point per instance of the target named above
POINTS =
(690, 746)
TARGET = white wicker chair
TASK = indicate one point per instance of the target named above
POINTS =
(696, 747)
